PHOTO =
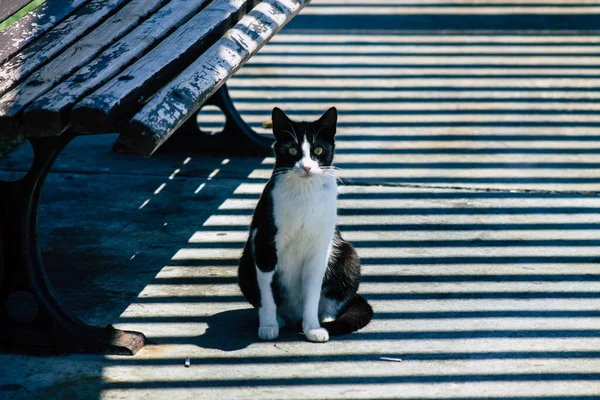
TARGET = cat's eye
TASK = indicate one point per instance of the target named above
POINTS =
(318, 151)
(293, 151)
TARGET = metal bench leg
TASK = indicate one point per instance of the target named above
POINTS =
(237, 137)
(32, 318)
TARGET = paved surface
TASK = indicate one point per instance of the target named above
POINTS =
(470, 155)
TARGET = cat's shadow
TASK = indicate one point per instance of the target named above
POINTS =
(235, 330)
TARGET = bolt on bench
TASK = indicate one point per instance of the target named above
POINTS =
(142, 68)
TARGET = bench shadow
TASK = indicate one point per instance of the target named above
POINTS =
(133, 231)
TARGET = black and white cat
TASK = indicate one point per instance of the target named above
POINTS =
(295, 266)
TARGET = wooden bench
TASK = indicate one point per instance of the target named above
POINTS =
(142, 68)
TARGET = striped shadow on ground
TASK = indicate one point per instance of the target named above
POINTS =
(473, 110)
(469, 177)
(486, 298)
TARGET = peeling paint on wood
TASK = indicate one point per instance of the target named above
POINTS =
(13, 102)
(34, 24)
(119, 98)
(50, 114)
(58, 38)
(182, 97)
(114, 29)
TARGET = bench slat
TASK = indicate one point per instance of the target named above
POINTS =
(122, 96)
(34, 24)
(71, 29)
(77, 55)
(183, 96)
(9, 8)
(50, 113)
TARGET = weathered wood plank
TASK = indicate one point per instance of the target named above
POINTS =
(50, 113)
(122, 96)
(183, 96)
(67, 32)
(8, 8)
(77, 55)
(34, 24)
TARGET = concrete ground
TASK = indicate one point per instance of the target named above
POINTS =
(469, 152)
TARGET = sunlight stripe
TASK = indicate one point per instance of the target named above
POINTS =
(371, 48)
(505, 60)
(503, 37)
(449, 10)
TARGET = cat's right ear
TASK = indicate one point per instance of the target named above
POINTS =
(281, 123)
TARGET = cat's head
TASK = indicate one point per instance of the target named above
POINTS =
(304, 148)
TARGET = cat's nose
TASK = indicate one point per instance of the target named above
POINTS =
(307, 168)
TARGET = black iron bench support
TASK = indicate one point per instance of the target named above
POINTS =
(31, 315)
(237, 138)
(106, 88)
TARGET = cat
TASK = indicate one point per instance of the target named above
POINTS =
(296, 268)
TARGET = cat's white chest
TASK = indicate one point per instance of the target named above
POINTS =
(305, 216)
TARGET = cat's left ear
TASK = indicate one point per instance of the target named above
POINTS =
(327, 123)
(281, 124)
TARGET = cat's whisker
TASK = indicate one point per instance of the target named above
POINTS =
(317, 132)
(332, 168)
(344, 181)
(328, 173)
(319, 178)
(293, 135)
(281, 170)
(287, 177)
(331, 173)
(287, 173)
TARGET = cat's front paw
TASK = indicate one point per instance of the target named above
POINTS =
(268, 332)
(319, 335)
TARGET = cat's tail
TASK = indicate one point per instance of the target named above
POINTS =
(357, 315)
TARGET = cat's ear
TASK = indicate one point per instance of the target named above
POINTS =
(327, 123)
(281, 123)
